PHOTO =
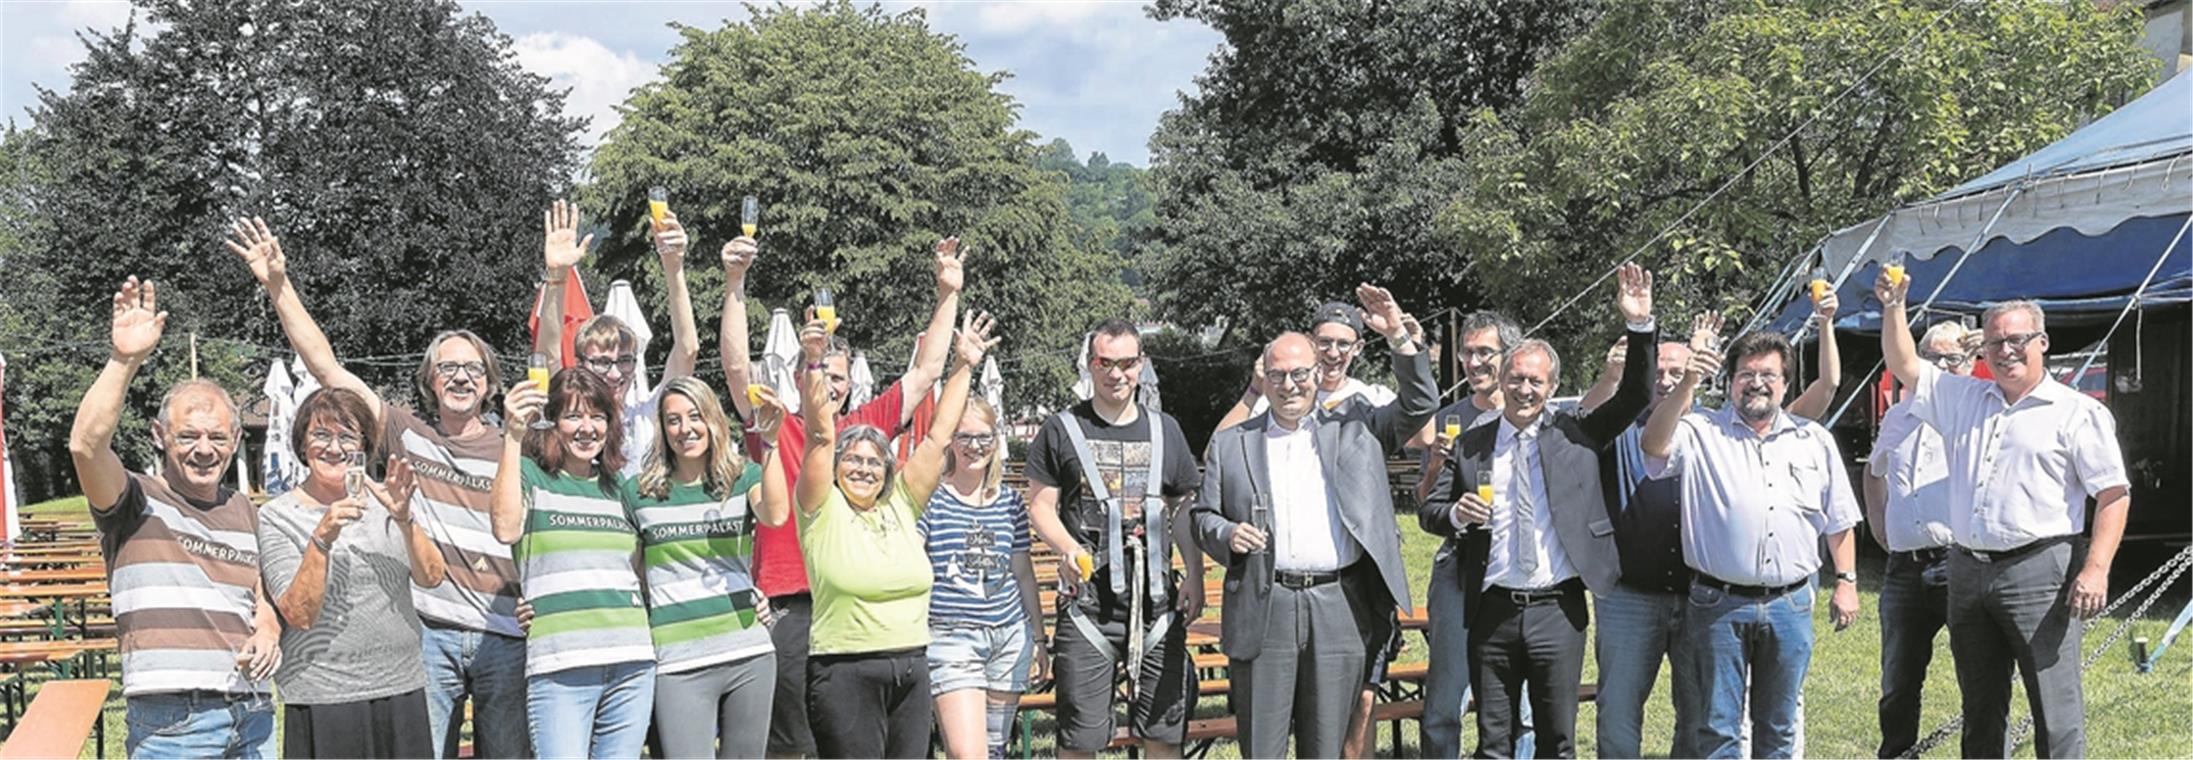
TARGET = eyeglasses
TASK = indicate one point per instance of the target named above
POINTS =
(452, 369)
(1952, 359)
(1300, 376)
(622, 364)
(2016, 342)
(868, 462)
(1128, 364)
(1335, 344)
(1482, 354)
(321, 437)
(975, 440)
(1749, 377)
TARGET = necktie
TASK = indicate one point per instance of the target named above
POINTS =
(1526, 513)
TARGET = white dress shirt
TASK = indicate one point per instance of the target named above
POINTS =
(1908, 457)
(1308, 536)
(2018, 473)
(1501, 568)
(1754, 508)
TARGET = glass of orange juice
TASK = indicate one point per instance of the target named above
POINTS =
(749, 215)
(826, 309)
(1895, 268)
(536, 372)
(658, 203)
(1452, 426)
(1819, 283)
(1484, 486)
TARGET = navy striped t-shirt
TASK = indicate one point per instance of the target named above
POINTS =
(971, 551)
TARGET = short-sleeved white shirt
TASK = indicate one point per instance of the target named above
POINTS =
(2022, 472)
(1909, 458)
(1754, 508)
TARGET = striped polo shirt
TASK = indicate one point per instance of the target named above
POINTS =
(700, 588)
(455, 476)
(182, 574)
(575, 564)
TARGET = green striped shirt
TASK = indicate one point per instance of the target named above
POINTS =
(700, 587)
(575, 567)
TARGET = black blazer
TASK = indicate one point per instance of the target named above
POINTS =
(1570, 448)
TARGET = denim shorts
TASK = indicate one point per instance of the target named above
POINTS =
(978, 657)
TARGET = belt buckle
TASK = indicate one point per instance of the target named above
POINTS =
(1520, 597)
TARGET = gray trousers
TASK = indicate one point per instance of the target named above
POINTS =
(1305, 681)
(731, 700)
(2014, 610)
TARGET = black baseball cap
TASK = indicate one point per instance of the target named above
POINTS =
(1335, 311)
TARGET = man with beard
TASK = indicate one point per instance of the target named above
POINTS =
(1760, 488)
(1109, 483)
(182, 552)
(2025, 454)
(472, 644)
(1907, 508)
(1294, 503)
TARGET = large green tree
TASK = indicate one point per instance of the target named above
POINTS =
(1320, 145)
(1110, 202)
(395, 145)
(866, 136)
(1641, 119)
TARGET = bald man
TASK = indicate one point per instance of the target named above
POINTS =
(1295, 505)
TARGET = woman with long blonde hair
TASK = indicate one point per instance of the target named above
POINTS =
(983, 606)
(716, 666)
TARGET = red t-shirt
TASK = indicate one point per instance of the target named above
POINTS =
(778, 569)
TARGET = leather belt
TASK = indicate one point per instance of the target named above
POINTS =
(1750, 591)
(1998, 555)
(1924, 556)
(1300, 580)
(1524, 597)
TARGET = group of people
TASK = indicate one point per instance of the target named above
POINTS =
(606, 568)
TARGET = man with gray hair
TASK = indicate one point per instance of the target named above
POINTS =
(2025, 454)
(1294, 503)
(1907, 508)
(1522, 501)
(198, 637)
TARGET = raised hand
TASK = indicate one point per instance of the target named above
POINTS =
(562, 247)
(738, 256)
(1635, 299)
(1380, 312)
(973, 341)
(1705, 331)
(814, 337)
(522, 403)
(255, 244)
(1823, 310)
(768, 413)
(669, 240)
(395, 489)
(1704, 363)
(1414, 328)
(138, 320)
(1618, 356)
(951, 266)
(1890, 292)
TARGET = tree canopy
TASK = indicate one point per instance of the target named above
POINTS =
(866, 136)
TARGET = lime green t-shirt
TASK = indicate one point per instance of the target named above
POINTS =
(869, 573)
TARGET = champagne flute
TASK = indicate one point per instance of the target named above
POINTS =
(749, 215)
(1484, 486)
(354, 480)
(826, 309)
(1819, 283)
(1895, 267)
(1452, 426)
(536, 372)
(658, 203)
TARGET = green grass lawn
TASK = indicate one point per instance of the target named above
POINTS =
(2128, 714)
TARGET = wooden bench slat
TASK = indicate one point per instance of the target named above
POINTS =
(60, 719)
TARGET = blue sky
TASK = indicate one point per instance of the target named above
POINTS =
(1096, 73)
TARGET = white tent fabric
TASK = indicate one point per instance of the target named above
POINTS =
(10, 503)
(2130, 163)
(780, 355)
(304, 381)
(993, 384)
(862, 381)
(279, 469)
(625, 306)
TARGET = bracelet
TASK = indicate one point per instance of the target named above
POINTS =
(325, 549)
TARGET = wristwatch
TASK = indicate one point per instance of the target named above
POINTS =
(1851, 577)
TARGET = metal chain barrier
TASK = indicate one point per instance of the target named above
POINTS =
(2175, 568)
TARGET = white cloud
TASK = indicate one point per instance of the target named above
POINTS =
(599, 78)
(97, 14)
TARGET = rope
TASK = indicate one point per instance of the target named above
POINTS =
(1731, 182)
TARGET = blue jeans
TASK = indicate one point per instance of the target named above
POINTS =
(1447, 685)
(1914, 610)
(591, 711)
(1636, 629)
(489, 669)
(1731, 635)
(196, 724)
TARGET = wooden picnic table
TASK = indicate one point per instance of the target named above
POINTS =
(53, 590)
(15, 609)
(56, 575)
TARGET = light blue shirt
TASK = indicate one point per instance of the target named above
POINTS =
(1754, 508)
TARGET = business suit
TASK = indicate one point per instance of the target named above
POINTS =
(1299, 654)
(1512, 637)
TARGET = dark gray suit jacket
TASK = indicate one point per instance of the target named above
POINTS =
(1352, 444)
(1569, 449)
